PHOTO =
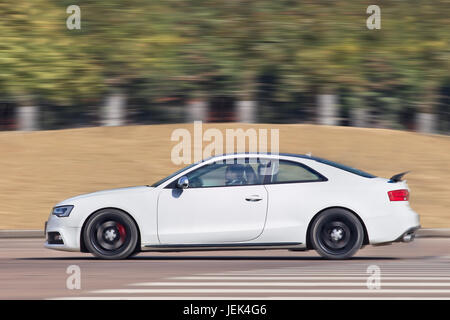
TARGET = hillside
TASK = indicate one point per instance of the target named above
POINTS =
(39, 169)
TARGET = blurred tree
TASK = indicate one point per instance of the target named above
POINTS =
(218, 57)
(131, 40)
(40, 60)
(405, 62)
(286, 54)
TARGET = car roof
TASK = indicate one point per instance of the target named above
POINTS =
(301, 156)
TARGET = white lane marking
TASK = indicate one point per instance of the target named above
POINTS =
(248, 298)
(326, 265)
(356, 266)
(362, 269)
(289, 284)
(261, 290)
(305, 278)
(332, 274)
(443, 268)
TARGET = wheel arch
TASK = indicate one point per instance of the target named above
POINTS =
(308, 231)
(82, 244)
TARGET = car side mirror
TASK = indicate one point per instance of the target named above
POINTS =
(183, 182)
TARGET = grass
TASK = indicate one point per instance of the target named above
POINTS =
(39, 169)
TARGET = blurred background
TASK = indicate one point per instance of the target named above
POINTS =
(139, 69)
(174, 61)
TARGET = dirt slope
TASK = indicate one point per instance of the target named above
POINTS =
(38, 169)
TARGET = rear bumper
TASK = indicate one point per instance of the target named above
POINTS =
(400, 224)
(409, 235)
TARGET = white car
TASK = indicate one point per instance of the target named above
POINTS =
(240, 201)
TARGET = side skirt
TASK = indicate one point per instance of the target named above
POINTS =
(215, 247)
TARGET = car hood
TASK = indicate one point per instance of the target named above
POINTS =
(128, 190)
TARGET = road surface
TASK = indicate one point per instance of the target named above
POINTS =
(416, 270)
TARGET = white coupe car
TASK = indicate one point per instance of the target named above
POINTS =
(240, 201)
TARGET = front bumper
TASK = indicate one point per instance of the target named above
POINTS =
(68, 237)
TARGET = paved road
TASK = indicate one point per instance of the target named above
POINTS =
(417, 270)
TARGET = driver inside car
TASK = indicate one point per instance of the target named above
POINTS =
(234, 175)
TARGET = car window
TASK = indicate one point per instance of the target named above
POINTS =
(220, 174)
(284, 171)
(345, 168)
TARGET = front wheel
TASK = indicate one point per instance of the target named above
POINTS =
(111, 234)
(337, 234)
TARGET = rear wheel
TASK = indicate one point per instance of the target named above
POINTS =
(337, 234)
(111, 234)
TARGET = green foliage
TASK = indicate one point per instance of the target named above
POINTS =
(38, 59)
(225, 47)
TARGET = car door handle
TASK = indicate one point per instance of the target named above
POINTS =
(253, 198)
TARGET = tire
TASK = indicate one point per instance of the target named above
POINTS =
(111, 234)
(134, 254)
(337, 234)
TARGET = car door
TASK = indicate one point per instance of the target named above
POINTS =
(213, 209)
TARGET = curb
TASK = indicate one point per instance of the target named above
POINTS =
(433, 233)
(11, 234)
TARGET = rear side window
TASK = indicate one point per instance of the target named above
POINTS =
(284, 171)
(345, 168)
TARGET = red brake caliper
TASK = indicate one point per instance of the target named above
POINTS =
(122, 231)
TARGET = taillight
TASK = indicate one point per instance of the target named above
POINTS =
(399, 195)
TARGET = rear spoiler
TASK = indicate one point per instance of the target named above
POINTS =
(397, 177)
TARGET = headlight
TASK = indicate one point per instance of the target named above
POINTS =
(62, 211)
